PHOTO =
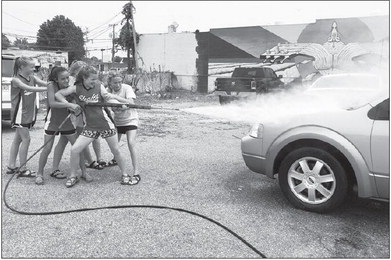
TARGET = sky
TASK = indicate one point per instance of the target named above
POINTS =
(23, 18)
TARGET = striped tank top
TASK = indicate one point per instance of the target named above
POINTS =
(23, 103)
(55, 116)
(96, 118)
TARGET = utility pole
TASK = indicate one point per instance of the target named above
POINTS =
(134, 38)
(112, 50)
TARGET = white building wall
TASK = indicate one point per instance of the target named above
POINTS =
(175, 52)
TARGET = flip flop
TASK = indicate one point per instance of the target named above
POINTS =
(72, 181)
(112, 162)
(102, 163)
(95, 165)
(58, 174)
(27, 174)
(129, 180)
(138, 177)
(11, 170)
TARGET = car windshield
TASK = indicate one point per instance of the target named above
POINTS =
(7, 67)
(348, 91)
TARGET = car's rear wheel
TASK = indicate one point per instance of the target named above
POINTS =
(313, 179)
(226, 100)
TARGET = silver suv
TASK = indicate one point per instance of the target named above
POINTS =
(320, 156)
(7, 68)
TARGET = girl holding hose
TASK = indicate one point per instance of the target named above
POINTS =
(57, 112)
(98, 123)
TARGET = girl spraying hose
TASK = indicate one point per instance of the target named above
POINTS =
(78, 122)
(23, 111)
(56, 113)
(125, 119)
(97, 121)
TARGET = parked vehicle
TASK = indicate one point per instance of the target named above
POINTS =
(7, 70)
(245, 80)
(320, 156)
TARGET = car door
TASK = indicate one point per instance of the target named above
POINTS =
(380, 149)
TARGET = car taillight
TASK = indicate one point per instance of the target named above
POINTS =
(253, 85)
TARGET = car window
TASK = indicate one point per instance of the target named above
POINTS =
(246, 73)
(380, 111)
(7, 67)
(269, 73)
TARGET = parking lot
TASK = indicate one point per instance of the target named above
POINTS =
(187, 161)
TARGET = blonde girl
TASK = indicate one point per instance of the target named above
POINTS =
(23, 112)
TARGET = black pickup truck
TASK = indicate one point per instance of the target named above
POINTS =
(247, 80)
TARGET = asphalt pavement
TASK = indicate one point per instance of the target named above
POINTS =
(187, 161)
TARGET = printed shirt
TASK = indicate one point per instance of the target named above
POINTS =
(128, 116)
(23, 103)
(96, 118)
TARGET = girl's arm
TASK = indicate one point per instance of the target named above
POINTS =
(52, 100)
(18, 83)
(40, 82)
(107, 96)
(61, 94)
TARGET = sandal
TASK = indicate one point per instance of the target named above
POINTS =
(58, 174)
(138, 177)
(112, 162)
(129, 180)
(102, 162)
(26, 173)
(39, 180)
(87, 177)
(72, 181)
(11, 170)
(95, 165)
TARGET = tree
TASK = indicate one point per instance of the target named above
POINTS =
(61, 33)
(126, 40)
(22, 44)
(5, 42)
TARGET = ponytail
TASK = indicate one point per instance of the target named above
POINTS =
(19, 62)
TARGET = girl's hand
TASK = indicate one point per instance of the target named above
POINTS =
(75, 108)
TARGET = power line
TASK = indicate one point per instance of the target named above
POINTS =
(99, 32)
(104, 23)
(18, 18)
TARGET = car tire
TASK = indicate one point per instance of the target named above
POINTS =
(224, 100)
(313, 179)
